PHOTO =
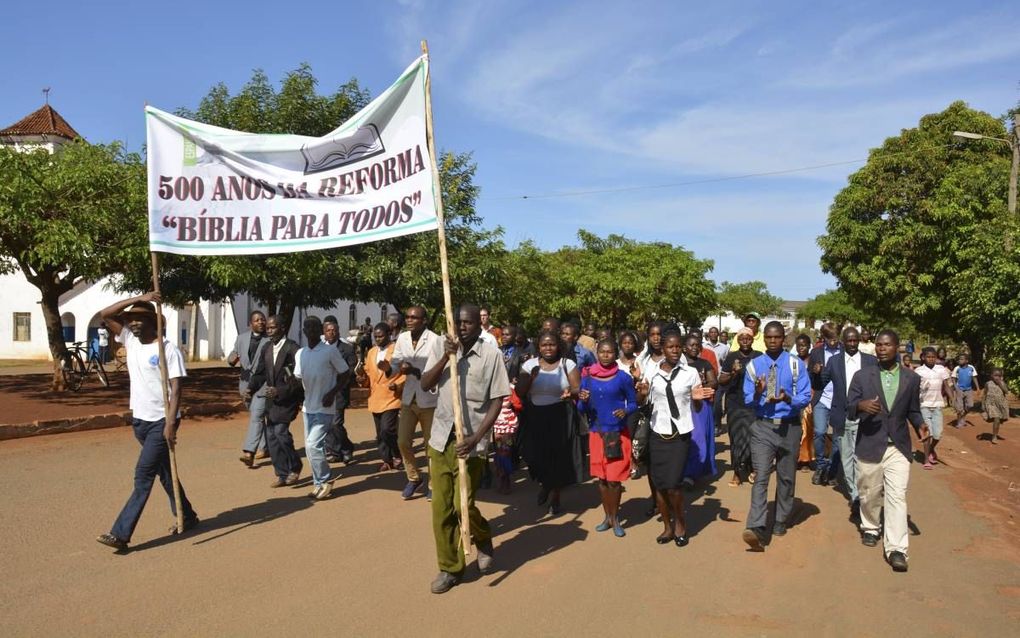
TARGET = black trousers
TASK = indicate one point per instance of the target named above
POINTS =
(338, 443)
(281, 449)
(386, 434)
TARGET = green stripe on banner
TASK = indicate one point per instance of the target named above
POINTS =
(297, 242)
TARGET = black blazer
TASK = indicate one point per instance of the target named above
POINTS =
(875, 431)
(350, 355)
(280, 375)
(818, 356)
(835, 371)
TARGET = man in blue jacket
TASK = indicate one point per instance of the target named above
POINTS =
(779, 389)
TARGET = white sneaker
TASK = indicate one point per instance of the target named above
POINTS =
(323, 492)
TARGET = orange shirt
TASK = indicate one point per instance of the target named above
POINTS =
(380, 397)
(709, 355)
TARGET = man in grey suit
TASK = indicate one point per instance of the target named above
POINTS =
(247, 352)
(885, 398)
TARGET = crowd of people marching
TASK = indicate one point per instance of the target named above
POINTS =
(569, 404)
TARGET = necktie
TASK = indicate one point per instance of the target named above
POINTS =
(674, 409)
(770, 383)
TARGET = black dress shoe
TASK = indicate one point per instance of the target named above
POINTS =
(754, 537)
(779, 529)
(662, 540)
(816, 478)
(869, 539)
(681, 541)
(543, 496)
(898, 561)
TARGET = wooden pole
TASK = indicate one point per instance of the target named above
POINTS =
(166, 393)
(458, 416)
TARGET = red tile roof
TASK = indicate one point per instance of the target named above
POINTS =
(45, 121)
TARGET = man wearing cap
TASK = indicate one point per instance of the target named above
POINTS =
(133, 321)
(752, 321)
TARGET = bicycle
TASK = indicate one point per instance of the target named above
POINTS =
(74, 368)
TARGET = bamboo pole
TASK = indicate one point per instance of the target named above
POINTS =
(166, 393)
(458, 417)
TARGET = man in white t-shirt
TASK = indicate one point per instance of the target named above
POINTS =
(104, 341)
(134, 322)
(323, 373)
(935, 384)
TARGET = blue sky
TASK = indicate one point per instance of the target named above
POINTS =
(570, 96)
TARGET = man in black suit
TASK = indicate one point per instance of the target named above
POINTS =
(840, 371)
(339, 446)
(284, 394)
(885, 398)
(821, 403)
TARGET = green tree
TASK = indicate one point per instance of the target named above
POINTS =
(752, 296)
(835, 306)
(616, 281)
(77, 214)
(916, 231)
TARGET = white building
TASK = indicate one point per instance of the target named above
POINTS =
(789, 316)
(203, 331)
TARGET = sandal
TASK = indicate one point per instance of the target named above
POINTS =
(112, 541)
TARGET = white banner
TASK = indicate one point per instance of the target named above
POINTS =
(213, 191)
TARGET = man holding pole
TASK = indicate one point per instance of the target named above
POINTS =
(133, 321)
(483, 384)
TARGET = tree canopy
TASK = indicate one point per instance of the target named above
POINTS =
(920, 232)
(613, 281)
(751, 296)
(75, 214)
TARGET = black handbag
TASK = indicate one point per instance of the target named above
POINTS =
(639, 436)
(612, 446)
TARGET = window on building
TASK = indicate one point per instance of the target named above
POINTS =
(22, 326)
(383, 311)
(352, 317)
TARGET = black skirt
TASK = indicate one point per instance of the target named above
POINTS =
(550, 444)
(667, 459)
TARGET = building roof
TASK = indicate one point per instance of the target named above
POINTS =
(45, 121)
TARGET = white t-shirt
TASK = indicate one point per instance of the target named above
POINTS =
(489, 338)
(548, 387)
(104, 337)
(317, 368)
(685, 380)
(143, 370)
(931, 385)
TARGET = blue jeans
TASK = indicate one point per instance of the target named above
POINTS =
(153, 461)
(316, 427)
(820, 414)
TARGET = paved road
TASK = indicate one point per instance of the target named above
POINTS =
(271, 562)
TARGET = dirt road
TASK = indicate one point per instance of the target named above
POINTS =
(273, 562)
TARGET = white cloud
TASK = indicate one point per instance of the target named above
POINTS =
(872, 55)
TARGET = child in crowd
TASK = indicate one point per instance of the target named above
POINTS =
(935, 385)
(996, 407)
(907, 361)
(966, 382)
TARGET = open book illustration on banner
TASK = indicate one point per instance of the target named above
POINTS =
(326, 154)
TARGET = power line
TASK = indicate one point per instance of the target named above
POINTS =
(713, 180)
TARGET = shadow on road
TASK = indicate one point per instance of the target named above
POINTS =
(237, 519)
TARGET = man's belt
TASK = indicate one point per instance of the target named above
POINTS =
(786, 421)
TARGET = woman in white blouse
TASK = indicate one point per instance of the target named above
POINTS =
(549, 385)
(669, 389)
